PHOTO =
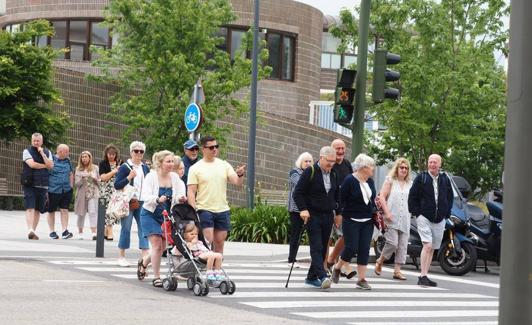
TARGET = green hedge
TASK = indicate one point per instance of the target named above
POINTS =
(263, 224)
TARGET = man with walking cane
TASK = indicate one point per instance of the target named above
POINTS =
(316, 196)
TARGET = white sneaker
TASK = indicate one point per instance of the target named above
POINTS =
(123, 262)
(79, 236)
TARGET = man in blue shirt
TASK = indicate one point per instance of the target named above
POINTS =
(190, 158)
(60, 185)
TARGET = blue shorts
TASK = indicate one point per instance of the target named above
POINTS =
(35, 198)
(218, 220)
(151, 222)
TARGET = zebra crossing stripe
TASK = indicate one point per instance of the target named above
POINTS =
(425, 323)
(380, 303)
(454, 313)
(314, 293)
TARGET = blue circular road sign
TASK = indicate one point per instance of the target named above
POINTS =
(192, 117)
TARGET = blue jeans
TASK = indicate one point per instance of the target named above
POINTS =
(357, 239)
(125, 230)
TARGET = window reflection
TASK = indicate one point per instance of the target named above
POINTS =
(58, 41)
(288, 56)
(237, 37)
(274, 46)
(78, 40)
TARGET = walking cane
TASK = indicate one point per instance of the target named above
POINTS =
(299, 243)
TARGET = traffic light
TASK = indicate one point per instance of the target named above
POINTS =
(344, 96)
(381, 75)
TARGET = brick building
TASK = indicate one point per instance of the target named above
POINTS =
(295, 35)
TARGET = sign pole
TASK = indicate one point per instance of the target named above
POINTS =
(516, 260)
(253, 111)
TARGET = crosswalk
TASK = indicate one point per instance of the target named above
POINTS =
(261, 286)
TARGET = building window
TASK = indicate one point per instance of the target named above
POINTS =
(78, 40)
(76, 35)
(282, 55)
(330, 58)
(281, 46)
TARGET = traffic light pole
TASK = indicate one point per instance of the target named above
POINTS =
(360, 95)
(253, 111)
(516, 268)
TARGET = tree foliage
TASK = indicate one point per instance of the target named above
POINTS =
(163, 47)
(453, 98)
(26, 86)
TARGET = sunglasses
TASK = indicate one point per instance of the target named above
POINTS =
(403, 167)
(194, 149)
(138, 151)
(216, 146)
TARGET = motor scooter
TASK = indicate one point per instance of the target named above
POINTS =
(488, 229)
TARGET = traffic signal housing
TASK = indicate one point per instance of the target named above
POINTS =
(344, 96)
(381, 75)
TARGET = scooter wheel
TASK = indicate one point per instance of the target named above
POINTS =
(460, 263)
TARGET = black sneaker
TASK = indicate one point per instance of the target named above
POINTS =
(424, 281)
(66, 234)
(53, 235)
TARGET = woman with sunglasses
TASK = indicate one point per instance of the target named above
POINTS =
(132, 172)
(394, 201)
(296, 223)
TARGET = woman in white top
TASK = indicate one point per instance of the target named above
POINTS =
(394, 201)
(161, 191)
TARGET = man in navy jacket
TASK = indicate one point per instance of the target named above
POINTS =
(316, 196)
(430, 200)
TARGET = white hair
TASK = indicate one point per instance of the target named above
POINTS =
(302, 157)
(327, 151)
(363, 160)
(137, 145)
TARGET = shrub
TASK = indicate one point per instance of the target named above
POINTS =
(263, 224)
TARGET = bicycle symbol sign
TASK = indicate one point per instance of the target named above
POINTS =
(192, 117)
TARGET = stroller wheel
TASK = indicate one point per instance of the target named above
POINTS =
(169, 284)
(197, 289)
(224, 288)
(232, 287)
(205, 290)
(190, 283)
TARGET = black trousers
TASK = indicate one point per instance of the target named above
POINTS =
(296, 225)
(319, 228)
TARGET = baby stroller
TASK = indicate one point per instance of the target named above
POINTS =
(186, 265)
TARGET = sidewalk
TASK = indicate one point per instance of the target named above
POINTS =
(13, 234)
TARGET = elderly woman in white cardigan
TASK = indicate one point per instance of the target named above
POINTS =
(161, 191)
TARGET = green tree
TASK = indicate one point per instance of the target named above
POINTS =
(453, 98)
(163, 47)
(27, 93)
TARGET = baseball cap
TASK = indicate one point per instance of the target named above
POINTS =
(189, 144)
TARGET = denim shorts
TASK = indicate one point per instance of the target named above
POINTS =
(151, 222)
(59, 200)
(35, 198)
(218, 220)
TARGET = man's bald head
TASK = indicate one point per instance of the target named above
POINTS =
(63, 151)
(434, 164)
(339, 146)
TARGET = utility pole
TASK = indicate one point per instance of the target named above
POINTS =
(360, 95)
(253, 111)
(516, 258)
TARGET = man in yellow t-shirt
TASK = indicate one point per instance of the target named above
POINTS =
(207, 192)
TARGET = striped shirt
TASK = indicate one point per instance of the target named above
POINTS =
(293, 178)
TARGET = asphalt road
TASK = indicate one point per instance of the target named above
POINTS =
(61, 281)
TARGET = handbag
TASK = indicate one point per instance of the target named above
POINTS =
(134, 204)
(118, 206)
(378, 216)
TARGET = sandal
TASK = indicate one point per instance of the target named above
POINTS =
(157, 283)
(398, 276)
(378, 267)
(349, 275)
(141, 270)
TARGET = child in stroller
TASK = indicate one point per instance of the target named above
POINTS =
(213, 259)
(191, 262)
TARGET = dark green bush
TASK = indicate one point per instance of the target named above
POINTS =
(263, 224)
